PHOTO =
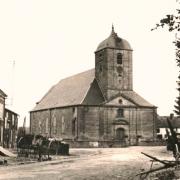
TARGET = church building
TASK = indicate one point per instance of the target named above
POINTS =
(98, 107)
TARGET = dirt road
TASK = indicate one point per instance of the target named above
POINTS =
(89, 164)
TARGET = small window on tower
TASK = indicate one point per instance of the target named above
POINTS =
(119, 58)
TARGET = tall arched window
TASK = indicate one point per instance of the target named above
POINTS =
(54, 125)
(47, 125)
(62, 124)
(73, 126)
(119, 58)
(40, 127)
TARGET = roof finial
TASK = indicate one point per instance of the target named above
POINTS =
(113, 32)
(112, 28)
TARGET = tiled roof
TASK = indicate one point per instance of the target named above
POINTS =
(132, 97)
(11, 111)
(136, 98)
(2, 93)
(76, 90)
(114, 41)
(69, 91)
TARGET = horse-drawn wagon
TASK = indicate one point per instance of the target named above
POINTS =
(34, 146)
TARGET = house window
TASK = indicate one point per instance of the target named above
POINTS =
(12, 120)
(6, 119)
(119, 58)
(120, 112)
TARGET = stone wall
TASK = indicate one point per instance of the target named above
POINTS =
(59, 123)
(88, 123)
(98, 124)
(86, 126)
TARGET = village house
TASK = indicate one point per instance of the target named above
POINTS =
(10, 128)
(2, 115)
(98, 107)
(8, 124)
(162, 125)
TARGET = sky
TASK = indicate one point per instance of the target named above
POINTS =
(43, 41)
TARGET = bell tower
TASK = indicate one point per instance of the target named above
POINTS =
(113, 65)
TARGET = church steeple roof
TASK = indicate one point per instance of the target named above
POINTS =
(114, 41)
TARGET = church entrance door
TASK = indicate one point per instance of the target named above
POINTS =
(120, 134)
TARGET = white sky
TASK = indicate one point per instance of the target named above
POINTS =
(52, 39)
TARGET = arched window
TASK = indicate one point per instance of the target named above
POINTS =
(40, 127)
(47, 125)
(119, 58)
(73, 126)
(62, 124)
(120, 112)
(54, 125)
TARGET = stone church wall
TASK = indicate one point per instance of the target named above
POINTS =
(38, 122)
(88, 123)
(95, 126)
(142, 125)
(98, 124)
(54, 122)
